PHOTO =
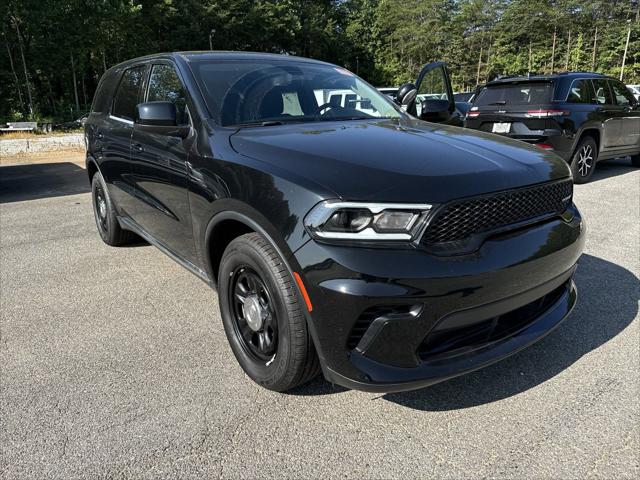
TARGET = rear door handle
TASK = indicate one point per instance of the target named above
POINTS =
(138, 147)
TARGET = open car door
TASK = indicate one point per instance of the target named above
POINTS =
(434, 101)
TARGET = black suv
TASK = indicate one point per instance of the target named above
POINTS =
(583, 117)
(388, 252)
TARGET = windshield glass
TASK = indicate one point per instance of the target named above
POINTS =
(240, 92)
(515, 94)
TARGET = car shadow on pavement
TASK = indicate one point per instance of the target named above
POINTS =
(612, 168)
(607, 303)
(41, 180)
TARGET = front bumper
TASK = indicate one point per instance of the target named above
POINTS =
(391, 320)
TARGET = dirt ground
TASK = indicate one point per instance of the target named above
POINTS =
(70, 155)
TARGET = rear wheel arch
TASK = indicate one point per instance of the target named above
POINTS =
(590, 132)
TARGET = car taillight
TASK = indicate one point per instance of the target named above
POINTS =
(473, 114)
(544, 146)
(546, 113)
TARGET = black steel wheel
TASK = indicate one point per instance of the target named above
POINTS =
(263, 315)
(255, 318)
(100, 208)
(105, 215)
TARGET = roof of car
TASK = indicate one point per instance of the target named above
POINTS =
(221, 55)
(535, 78)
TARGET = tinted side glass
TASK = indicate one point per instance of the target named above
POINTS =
(102, 97)
(621, 95)
(581, 92)
(165, 86)
(128, 93)
(524, 93)
(602, 93)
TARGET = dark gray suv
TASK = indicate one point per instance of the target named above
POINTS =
(583, 117)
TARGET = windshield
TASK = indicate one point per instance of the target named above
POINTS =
(515, 94)
(241, 92)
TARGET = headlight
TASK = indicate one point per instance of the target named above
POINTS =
(335, 220)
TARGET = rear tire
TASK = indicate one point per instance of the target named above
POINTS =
(262, 315)
(635, 160)
(105, 215)
(584, 160)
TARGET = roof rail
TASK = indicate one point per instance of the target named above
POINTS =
(579, 71)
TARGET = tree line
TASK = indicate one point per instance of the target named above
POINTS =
(55, 51)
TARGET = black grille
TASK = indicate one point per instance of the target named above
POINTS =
(460, 220)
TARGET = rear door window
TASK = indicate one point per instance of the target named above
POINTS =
(166, 86)
(602, 92)
(621, 95)
(581, 91)
(529, 93)
(128, 93)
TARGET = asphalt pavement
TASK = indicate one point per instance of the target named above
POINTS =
(114, 364)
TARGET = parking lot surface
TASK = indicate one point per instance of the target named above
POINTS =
(114, 364)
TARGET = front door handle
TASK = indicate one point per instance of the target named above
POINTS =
(138, 147)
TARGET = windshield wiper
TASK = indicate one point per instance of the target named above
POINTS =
(271, 123)
(355, 117)
(266, 123)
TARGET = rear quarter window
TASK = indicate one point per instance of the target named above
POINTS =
(581, 91)
(104, 93)
(516, 94)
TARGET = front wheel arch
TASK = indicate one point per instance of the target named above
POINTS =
(245, 222)
(239, 224)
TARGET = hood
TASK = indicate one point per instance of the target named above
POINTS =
(399, 160)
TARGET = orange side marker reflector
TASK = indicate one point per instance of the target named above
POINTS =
(305, 295)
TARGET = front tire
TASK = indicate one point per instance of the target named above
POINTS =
(583, 162)
(105, 215)
(262, 315)
(635, 160)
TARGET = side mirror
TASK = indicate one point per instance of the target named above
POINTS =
(435, 110)
(406, 94)
(160, 118)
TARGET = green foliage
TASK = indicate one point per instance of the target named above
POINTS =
(384, 41)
